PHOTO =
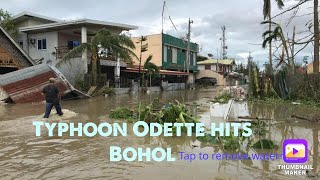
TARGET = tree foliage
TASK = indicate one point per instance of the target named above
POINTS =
(7, 24)
(267, 7)
(276, 35)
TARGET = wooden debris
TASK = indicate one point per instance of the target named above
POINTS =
(91, 90)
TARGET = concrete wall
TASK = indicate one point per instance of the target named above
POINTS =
(122, 90)
(52, 42)
(172, 86)
(154, 48)
(73, 70)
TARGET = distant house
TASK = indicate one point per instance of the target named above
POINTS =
(220, 66)
(47, 40)
(310, 68)
(170, 54)
(215, 68)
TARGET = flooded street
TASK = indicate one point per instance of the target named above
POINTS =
(25, 156)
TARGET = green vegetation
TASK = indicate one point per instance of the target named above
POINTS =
(265, 144)
(239, 143)
(151, 69)
(122, 113)
(7, 24)
(173, 112)
(223, 98)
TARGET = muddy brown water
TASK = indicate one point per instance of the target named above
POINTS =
(25, 156)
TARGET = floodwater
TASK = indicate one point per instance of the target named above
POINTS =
(25, 156)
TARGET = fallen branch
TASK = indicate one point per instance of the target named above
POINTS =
(304, 118)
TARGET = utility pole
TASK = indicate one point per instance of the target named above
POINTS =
(250, 74)
(217, 66)
(188, 46)
(224, 46)
(188, 50)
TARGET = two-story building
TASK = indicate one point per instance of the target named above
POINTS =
(47, 40)
(170, 54)
(215, 68)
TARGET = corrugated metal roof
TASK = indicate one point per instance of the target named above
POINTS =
(23, 74)
(24, 86)
(215, 61)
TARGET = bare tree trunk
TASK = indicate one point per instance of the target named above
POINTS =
(316, 38)
(94, 69)
(292, 47)
(270, 43)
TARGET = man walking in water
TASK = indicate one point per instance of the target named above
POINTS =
(51, 92)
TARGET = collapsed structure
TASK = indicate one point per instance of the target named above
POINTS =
(25, 85)
(21, 80)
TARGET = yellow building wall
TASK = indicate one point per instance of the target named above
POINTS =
(154, 49)
(310, 68)
(221, 81)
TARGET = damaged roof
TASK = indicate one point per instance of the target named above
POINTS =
(25, 85)
(10, 46)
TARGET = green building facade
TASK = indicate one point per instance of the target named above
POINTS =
(174, 52)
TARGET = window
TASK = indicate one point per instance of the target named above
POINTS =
(21, 44)
(42, 44)
(207, 67)
(73, 44)
(165, 53)
(174, 55)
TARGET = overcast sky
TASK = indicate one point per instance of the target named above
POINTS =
(241, 17)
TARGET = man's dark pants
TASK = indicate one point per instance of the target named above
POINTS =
(49, 107)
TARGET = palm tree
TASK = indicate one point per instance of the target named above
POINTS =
(150, 69)
(275, 35)
(117, 45)
(267, 15)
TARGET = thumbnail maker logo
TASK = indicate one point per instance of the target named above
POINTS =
(295, 151)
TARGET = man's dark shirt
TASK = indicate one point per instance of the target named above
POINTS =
(51, 91)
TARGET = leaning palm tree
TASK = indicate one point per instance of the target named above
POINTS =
(267, 15)
(276, 35)
(150, 69)
(119, 46)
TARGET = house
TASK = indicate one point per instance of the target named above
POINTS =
(310, 68)
(215, 68)
(47, 40)
(170, 54)
(220, 66)
(12, 56)
(21, 80)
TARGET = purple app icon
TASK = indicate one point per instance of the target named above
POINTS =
(295, 151)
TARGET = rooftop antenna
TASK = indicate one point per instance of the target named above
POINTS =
(224, 46)
(164, 4)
